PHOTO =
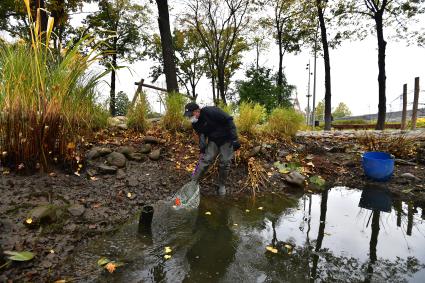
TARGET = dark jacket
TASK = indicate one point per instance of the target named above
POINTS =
(216, 125)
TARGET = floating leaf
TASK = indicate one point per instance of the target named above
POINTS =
(167, 256)
(28, 221)
(19, 256)
(60, 281)
(110, 267)
(103, 261)
(271, 249)
(246, 210)
(260, 208)
(207, 213)
(168, 250)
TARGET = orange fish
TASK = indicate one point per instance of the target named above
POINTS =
(178, 202)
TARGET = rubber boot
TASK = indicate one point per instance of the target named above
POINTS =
(222, 177)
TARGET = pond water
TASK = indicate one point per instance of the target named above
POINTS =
(341, 235)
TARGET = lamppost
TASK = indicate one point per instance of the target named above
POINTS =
(308, 93)
(314, 80)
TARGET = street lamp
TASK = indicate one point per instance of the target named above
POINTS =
(308, 92)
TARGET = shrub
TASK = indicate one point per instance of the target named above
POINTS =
(46, 102)
(173, 119)
(284, 122)
(251, 115)
(229, 108)
(138, 115)
(420, 123)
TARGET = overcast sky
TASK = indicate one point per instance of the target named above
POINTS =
(354, 72)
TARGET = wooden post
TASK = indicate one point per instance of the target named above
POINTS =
(138, 91)
(415, 104)
(404, 113)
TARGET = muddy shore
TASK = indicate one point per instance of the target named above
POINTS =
(93, 202)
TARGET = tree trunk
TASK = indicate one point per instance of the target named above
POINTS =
(221, 83)
(167, 46)
(213, 89)
(258, 55)
(280, 71)
(382, 44)
(321, 232)
(328, 96)
(112, 93)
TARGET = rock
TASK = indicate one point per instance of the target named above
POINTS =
(154, 140)
(122, 126)
(117, 120)
(137, 157)
(116, 159)
(96, 152)
(126, 150)
(154, 155)
(410, 176)
(295, 178)
(76, 210)
(282, 153)
(44, 214)
(105, 169)
(145, 148)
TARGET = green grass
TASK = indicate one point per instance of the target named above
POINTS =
(173, 120)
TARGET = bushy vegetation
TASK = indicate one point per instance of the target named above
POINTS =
(46, 101)
(138, 115)
(173, 120)
(122, 104)
(420, 123)
(251, 115)
(284, 122)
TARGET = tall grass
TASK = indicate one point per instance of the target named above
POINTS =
(251, 115)
(284, 122)
(173, 120)
(138, 115)
(46, 102)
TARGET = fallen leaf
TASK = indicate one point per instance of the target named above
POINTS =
(288, 247)
(110, 267)
(60, 281)
(52, 251)
(177, 202)
(310, 164)
(76, 173)
(246, 210)
(129, 195)
(167, 256)
(207, 213)
(168, 250)
(94, 178)
(19, 256)
(28, 221)
(260, 208)
(235, 224)
(102, 261)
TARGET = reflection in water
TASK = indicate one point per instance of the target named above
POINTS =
(230, 244)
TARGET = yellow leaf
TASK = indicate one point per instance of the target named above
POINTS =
(129, 195)
(246, 210)
(260, 208)
(207, 213)
(235, 224)
(167, 256)
(28, 221)
(310, 164)
(288, 246)
(168, 250)
(71, 145)
(288, 157)
(61, 281)
(52, 251)
(269, 248)
(274, 251)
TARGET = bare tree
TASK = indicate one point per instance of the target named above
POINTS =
(220, 25)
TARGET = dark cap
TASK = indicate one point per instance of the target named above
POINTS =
(189, 108)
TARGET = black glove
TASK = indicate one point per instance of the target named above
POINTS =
(202, 143)
(236, 145)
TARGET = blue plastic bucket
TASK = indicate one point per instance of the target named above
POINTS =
(378, 166)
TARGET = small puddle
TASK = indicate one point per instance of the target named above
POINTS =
(340, 235)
